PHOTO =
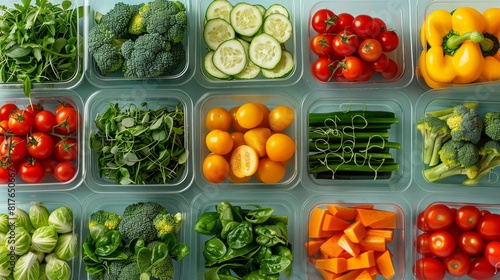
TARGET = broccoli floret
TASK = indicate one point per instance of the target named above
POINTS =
(164, 270)
(492, 125)
(457, 157)
(105, 49)
(137, 220)
(445, 113)
(167, 18)
(117, 19)
(465, 124)
(150, 56)
(434, 132)
(96, 276)
(136, 25)
(167, 223)
(130, 272)
(106, 218)
(490, 158)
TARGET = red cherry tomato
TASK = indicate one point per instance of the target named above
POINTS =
(31, 172)
(457, 264)
(45, 121)
(379, 26)
(492, 253)
(343, 23)
(345, 43)
(34, 108)
(13, 149)
(49, 164)
(438, 216)
(367, 73)
(322, 69)
(321, 44)
(324, 21)
(481, 269)
(63, 105)
(381, 63)
(429, 268)
(4, 126)
(363, 25)
(441, 243)
(422, 244)
(485, 212)
(67, 120)
(66, 150)
(389, 40)
(21, 122)
(40, 145)
(6, 110)
(421, 225)
(489, 227)
(352, 68)
(7, 174)
(391, 71)
(370, 50)
(467, 217)
(64, 171)
(471, 243)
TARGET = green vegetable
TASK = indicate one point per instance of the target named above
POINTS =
(44, 239)
(62, 219)
(254, 246)
(105, 49)
(137, 221)
(22, 240)
(167, 18)
(351, 144)
(41, 274)
(489, 159)
(107, 218)
(465, 124)
(4, 223)
(117, 19)
(492, 125)
(23, 220)
(67, 246)
(5, 265)
(137, 146)
(57, 269)
(39, 42)
(435, 132)
(39, 215)
(27, 267)
(167, 223)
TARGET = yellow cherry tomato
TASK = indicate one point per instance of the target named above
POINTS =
(244, 161)
(280, 147)
(215, 168)
(280, 118)
(269, 171)
(218, 118)
(249, 115)
(219, 142)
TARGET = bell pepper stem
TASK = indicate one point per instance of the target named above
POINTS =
(490, 45)
(454, 41)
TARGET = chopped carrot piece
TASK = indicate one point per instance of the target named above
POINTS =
(350, 275)
(335, 265)
(327, 275)
(346, 244)
(373, 242)
(385, 265)
(388, 222)
(332, 223)
(344, 213)
(316, 224)
(312, 246)
(355, 231)
(371, 216)
(373, 270)
(331, 247)
(365, 275)
(388, 234)
(363, 260)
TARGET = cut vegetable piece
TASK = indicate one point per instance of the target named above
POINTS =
(385, 265)
(374, 243)
(211, 69)
(355, 232)
(261, 8)
(389, 222)
(332, 223)
(331, 246)
(278, 26)
(217, 31)
(335, 265)
(284, 67)
(344, 213)
(246, 19)
(276, 9)
(230, 57)
(365, 275)
(370, 216)
(219, 9)
(327, 275)
(265, 51)
(350, 275)
(244, 161)
(313, 245)
(349, 246)
(315, 229)
(388, 234)
(361, 261)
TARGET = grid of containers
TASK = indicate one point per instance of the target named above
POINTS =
(406, 192)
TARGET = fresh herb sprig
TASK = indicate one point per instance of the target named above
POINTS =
(138, 146)
(39, 43)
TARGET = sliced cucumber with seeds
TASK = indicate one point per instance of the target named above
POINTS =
(277, 9)
(265, 51)
(261, 8)
(283, 69)
(278, 26)
(230, 57)
(251, 70)
(219, 9)
(217, 31)
(211, 69)
(246, 19)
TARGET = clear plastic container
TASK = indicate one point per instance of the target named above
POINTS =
(76, 75)
(396, 204)
(51, 201)
(426, 7)
(180, 76)
(374, 100)
(100, 101)
(293, 45)
(270, 99)
(487, 99)
(117, 203)
(394, 13)
(50, 101)
(283, 204)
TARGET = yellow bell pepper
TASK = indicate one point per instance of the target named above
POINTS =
(491, 46)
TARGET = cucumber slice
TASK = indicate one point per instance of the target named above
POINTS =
(251, 70)
(261, 9)
(246, 19)
(230, 57)
(219, 9)
(277, 9)
(278, 26)
(283, 69)
(265, 51)
(217, 31)
(210, 67)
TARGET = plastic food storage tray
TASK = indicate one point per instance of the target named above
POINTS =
(406, 192)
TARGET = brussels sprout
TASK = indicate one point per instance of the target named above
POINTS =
(19, 239)
(40, 255)
(2, 237)
(44, 239)
(39, 215)
(4, 223)
(23, 220)
(41, 274)
(57, 269)
(5, 262)
(62, 219)
(27, 267)
(49, 257)
(67, 246)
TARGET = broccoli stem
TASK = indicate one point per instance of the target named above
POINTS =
(445, 113)
(432, 145)
(482, 173)
(442, 171)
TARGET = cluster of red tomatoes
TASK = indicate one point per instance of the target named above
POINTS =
(460, 242)
(35, 142)
(351, 48)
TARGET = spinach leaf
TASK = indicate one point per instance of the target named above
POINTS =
(208, 224)
(240, 236)
(274, 264)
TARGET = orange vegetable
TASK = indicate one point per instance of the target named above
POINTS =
(332, 223)
(330, 247)
(327, 275)
(312, 246)
(356, 232)
(388, 234)
(365, 275)
(373, 242)
(335, 265)
(316, 224)
(372, 216)
(346, 244)
(385, 265)
(363, 260)
(344, 213)
(388, 222)
(351, 275)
